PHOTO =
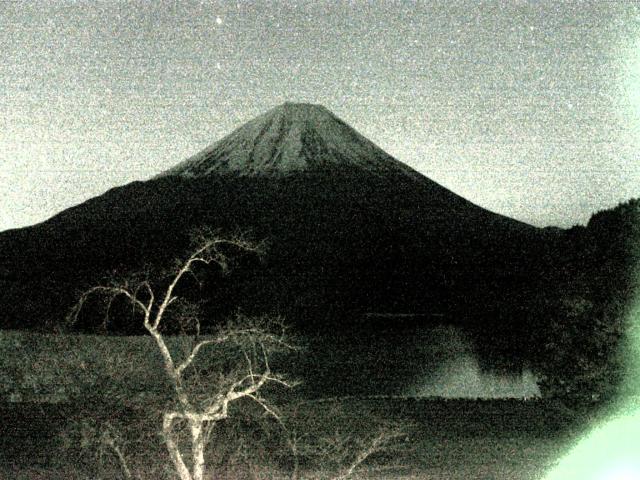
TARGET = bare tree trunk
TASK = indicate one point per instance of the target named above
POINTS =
(296, 466)
(121, 458)
(197, 445)
(123, 463)
(174, 451)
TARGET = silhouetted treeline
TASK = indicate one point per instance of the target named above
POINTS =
(582, 315)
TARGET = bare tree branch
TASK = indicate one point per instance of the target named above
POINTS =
(375, 445)
(111, 292)
(192, 355)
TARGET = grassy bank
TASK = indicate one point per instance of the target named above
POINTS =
(446, 439)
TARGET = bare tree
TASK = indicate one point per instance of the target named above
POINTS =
(201, 395)
(379, 442)
(345, 449)
(107, 444)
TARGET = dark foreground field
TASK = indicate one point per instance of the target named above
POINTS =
(447, 439)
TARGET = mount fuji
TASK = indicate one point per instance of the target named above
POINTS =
(355, 236)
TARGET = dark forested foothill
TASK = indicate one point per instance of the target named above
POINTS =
(583, 315)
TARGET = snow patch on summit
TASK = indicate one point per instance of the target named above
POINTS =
(290, 138)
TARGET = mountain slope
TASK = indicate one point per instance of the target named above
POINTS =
(351, 231)
(287, 139)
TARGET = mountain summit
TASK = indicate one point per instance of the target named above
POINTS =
(291, 137)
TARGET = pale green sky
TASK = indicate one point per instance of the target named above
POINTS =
(528, 109)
